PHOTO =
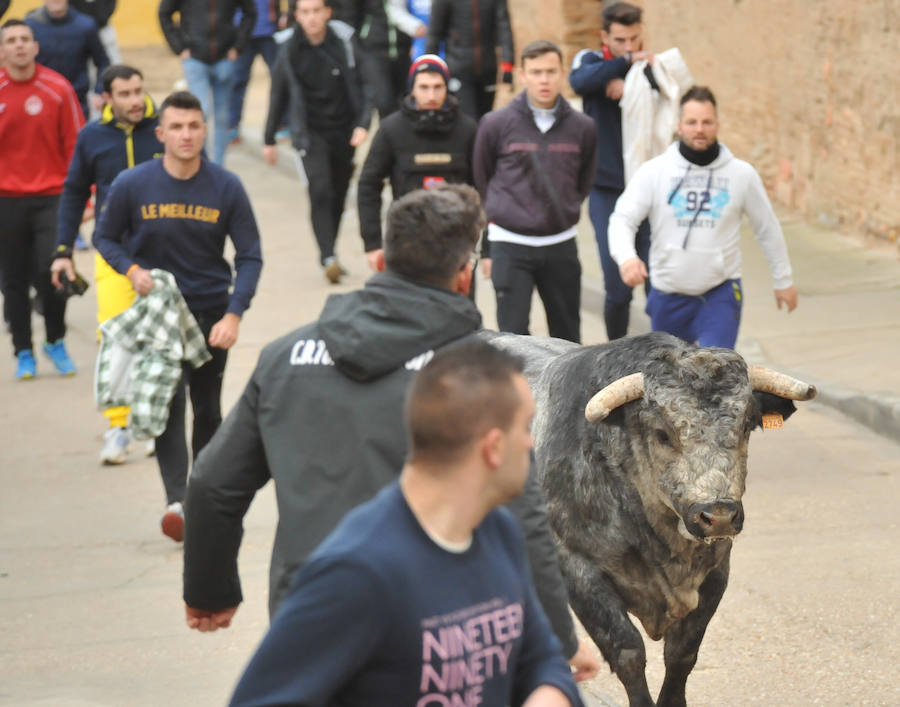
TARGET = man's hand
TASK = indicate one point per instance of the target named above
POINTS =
(231, 54)
(615, 89)
(224, 333)
(486, 268)
(185, 54)
(642, 56)
(584, 663)
(421, 31)
(633, 272)
(270, 155)
(59, 266)
(141, 280)
(358, 137)
(547, 696)
(96, 101)
(374, 259)
(206, 621)
(787, 296)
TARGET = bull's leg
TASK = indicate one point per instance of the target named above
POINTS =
(682, 640)
(602, 613)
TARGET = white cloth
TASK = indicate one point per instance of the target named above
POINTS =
(695, 218)
(650, 118)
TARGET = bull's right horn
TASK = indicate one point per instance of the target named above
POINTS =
(617, 393)
(769, 381)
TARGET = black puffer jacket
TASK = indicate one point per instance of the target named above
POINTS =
(414, 148)
(287, 88)
(207, 27)
(457, 23)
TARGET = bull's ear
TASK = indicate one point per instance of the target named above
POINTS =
(767, 403)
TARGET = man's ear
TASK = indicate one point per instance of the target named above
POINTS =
(493, 444)
(464, 280)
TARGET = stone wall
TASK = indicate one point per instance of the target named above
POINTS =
(808, 91)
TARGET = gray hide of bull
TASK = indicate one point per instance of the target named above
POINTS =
(644, 503)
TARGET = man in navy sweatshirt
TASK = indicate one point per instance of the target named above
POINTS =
(423, 594)
(600, 78)
(174, 214)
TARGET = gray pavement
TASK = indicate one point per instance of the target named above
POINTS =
(90, 610)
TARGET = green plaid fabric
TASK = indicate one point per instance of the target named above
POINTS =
(141, 351)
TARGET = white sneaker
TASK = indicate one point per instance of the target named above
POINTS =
(116, 446)
(173, 522)
(150, 449)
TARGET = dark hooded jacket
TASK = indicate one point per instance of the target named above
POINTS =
(414, 148)
(206, 27)
(321, 416)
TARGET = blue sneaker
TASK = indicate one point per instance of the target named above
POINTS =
(26, 367)
(60, 357)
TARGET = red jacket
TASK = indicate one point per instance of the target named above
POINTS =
(39, 122)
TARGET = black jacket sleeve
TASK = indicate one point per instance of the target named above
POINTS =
(172, 32)
(248, 22)
(364, 69)
(376, 169)
(224, 480)
(503, 37)
(76, 192)
(438, 25)
(531, 512)
(99, 57)
(286, 94)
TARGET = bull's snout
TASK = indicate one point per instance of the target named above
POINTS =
(715, 520)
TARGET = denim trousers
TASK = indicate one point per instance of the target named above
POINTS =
(212, 81)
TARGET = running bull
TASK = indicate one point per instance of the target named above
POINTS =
(641, 446)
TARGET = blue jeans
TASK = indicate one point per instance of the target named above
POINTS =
(266, 48)
(601, 204)
(212, 80)
(710, 319)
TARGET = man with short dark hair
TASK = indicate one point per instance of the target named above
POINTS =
(599, 76)
(321, 80)
(208, 43)
(68, 40)
(321, 418)
(125, 135)
(427, 142)
(430, 556)
(534, 163)
(174, 214)
(695, 195)
(39, 125)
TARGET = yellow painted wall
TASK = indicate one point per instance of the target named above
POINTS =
(135, 20)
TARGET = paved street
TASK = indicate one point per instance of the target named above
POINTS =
(90, 609)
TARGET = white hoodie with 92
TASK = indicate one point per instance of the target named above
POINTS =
(695, 218)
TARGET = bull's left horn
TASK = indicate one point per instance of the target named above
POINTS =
(769, 381)
(617, 393)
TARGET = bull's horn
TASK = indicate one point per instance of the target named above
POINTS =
(617, 393)
(769, 381)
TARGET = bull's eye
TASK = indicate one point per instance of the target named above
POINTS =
(663, 437)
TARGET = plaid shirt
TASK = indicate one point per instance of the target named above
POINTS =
(141, 351)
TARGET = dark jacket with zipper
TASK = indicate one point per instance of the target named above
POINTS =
(100, 10)
(414, 149)
(322, 417)
(206, 27)
(534, 183)
(287, 92)
(472, 30)
(103, 149)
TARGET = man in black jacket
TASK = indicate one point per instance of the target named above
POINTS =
(534, 164)
(208, 43)
(472, 31)
(427, 142)
(318, 77)
(321, 416)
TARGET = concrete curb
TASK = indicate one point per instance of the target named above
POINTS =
(880, 412)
